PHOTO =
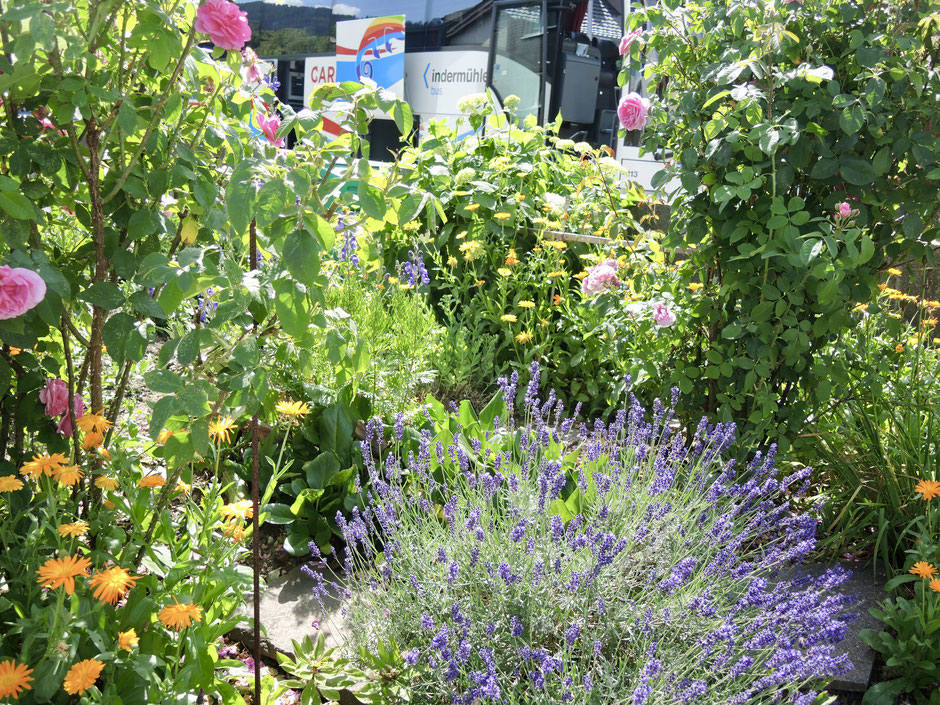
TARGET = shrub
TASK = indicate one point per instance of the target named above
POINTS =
(605, 563)
(776, 113)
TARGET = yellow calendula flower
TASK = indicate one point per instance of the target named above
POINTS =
(556, 274)
(221, 429)
(127, 640)
(69, 475)
(511, 260)
(540, 221)
(76, 529)
(10, 483)
(502, 215)
(898, 348)
(480, 282)
(471, 207)
(61, 572)
(411, 227)
(165, 435)
(405, 287)
(504, 271)
(520, 197)
(233, 530)
(472, 249)
(524, 337)
(451, 261)
(237, 510)
(14, 677)
(508, 318)
(292, 408)
(556, 244)
(15, 351)
(179, 616)
(106, 482)
(152, 481)
(894, 272)
(581, 275)
(93, 422)
(882, 287)
(44, 464)
(695, 286)
(112, 584)
(183, 487)
(526, 304)
(82, 676)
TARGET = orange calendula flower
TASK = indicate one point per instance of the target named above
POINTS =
(82, 676)
(58, 572)
(69, 475)
(177, 616)
(511, 260)
(15, 351)
(93, 422)
(14, 677)
(44, 464)
(127, 640)
(103, 453)
(106, 482)
(233, 530)
(292, 408)
(183, 487)
(556, 299)
(923, 569)
(164, 436)
(112, 584)
(10, 483)
(928, 488)
(220, 430)
(92, 439)
(934, 584)
(75, 530)
(238, 510)
(152, 481)
(109, 504)
(898, 348)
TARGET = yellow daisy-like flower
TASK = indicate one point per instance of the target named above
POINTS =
(292, 408)
(221, 429)
(82, 676)
(695, 286)
(524, 337)
(923, 569)
(177, 616)
(480, 282)
(540, 221)
(934, 584)
(451, 261)
(127, 640)
(93, 422)
(14, 677)
(504, 271)
(109, 504)
(929, 303)
(525, 303)
(233, 530)
(882, 287)
(556, 244)
(508, 318)
(928, 488)
(511, 260)
(183, 487)
(240, 510)
(557, 299)
(58, 572)
(10, 483)
(103, 453)
(75, 530)
(472, 207)
(150, 481)
(898, 348)
(894, 271)
(69, 475)
(520, 197)
(106, 482)
(44, 464)
(472, 249)
(556, 274)
(502, 215)
(112, 584)
(15, 351)
(92, 439)
(462, 234)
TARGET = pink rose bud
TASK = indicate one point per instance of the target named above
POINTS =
(55, 395)
(20, 290)
(632, 111)
(226, 25)
(269, 126)
(663, 316)
(845, 210)
(627, 40)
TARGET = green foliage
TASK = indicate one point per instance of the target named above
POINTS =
(776, 112)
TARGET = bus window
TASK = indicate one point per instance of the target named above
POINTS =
(517, 55)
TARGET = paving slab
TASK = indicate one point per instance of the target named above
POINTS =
(289, 611)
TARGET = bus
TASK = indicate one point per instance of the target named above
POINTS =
(557, 56)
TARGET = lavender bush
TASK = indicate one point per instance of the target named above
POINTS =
(548, 563)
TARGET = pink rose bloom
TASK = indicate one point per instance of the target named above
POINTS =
(632, 111)
(600, 277)
(251, 72)
(269, 125)
(20, 290)
(55, 396)
(627, 40)
(845, 210)
(78, 409)
(226, 25)
(663, 316)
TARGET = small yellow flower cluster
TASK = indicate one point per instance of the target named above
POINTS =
(472, 249)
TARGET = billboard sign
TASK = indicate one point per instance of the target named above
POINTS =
(372, 50)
